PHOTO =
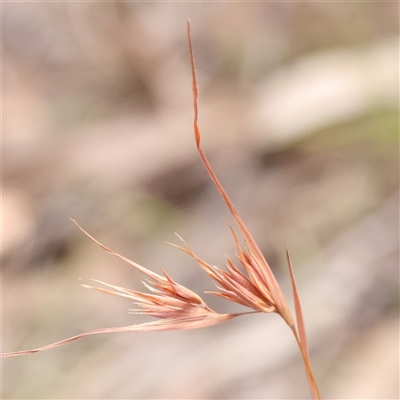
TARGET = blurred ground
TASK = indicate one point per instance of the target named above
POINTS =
(299, 115)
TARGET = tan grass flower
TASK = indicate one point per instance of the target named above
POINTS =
(177, 307)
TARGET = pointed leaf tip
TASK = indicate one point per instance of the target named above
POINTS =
(300, 333)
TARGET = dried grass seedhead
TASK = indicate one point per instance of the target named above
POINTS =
(233, 284)
(176, 307)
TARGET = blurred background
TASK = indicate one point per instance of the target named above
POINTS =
(299, 116)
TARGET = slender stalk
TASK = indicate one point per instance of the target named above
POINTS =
(254, 261)
(311, 379)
